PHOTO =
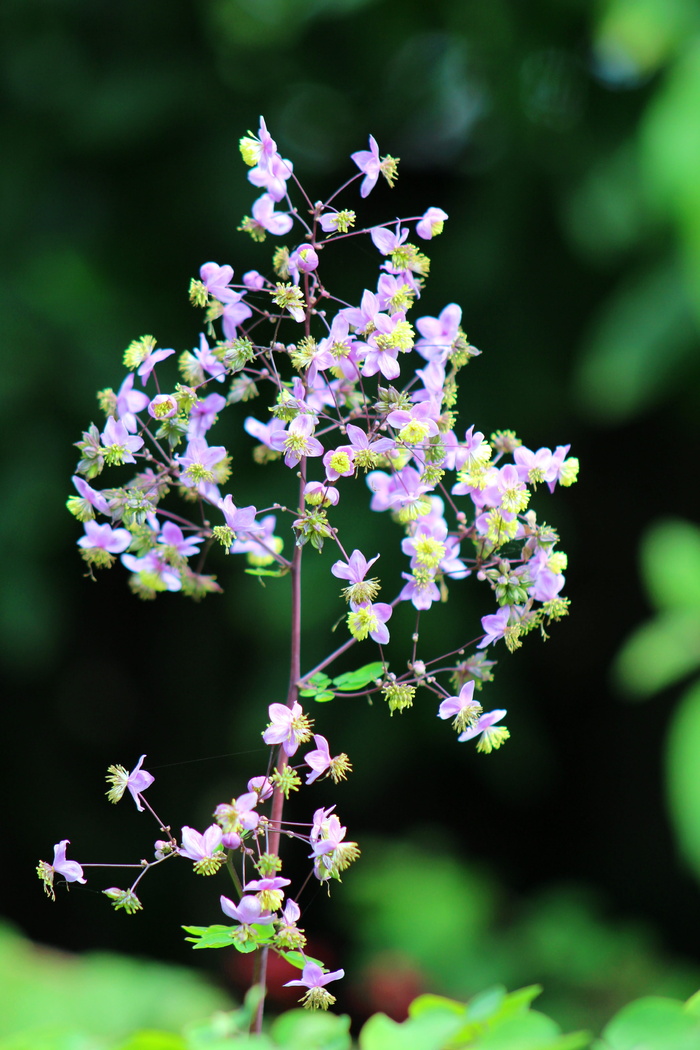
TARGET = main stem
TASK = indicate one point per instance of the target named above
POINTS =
(292, 697)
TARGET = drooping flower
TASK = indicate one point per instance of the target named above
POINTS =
(314, 980)
(129, 402)
(372, 167)
(269, 891)
(125, 900)
(495, 625)
(87, 502)
(266, 220)
(134, 782)
(464, 708)
(70, 869)
(205, 850)
(330, 853)
(355, 568)
(216, 279)
(248, 911)
(490, 735)
(104, 537)
(203, 415)
(431, 224)
(241, 520)
(321, 762)
(370, 619)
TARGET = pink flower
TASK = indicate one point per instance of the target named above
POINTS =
(249, 910)
(288, 727)
(114, 541)
(319, 760)
(70, 869)
(431, 224)
(312, 976)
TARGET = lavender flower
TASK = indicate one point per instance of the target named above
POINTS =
(314, 980)
(134, 782)
(288, 727)
(70, 869)
(372, 167)
(464, 708)
(205, 850)
(490, 735)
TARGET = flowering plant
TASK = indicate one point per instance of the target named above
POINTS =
(345, 402)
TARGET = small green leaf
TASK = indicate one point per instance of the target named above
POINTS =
(654, 1024)
(659, 653)
(692, 1006)
(210, 936)
(222, 937)
(152, 1040)
(311, 1030)
(683, 774)
(430, 1031)
(323, 698)
(298, 959)
(266, 572)
(352, 680)
(317, 682)
(530, 1031)
(670, 556)
(424, 1004)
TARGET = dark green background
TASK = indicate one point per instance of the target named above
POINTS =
(561, 140)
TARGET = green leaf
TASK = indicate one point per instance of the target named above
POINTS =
(427, 1003)
(645, 34)
(641, 341)
(431, 1031)
(652, 1024)
(683, 774)
(311, 1030)
(150, 1040)
(266, 572)
(692, 1006)
(323, 698)
(298, 959)
(659, 653)
(317, 682)
(670, 556)
(670, 152)
(223, 937)
(220, 1030)
(352, 680)
(530, 1031)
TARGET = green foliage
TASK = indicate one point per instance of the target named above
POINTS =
(350, 682)
(636, 350)
(225, 937)
(55, 1001)
(663, 651)
(683, 774)
(667, 648)
(458, 935)
(52, 1001)
(652, 1024)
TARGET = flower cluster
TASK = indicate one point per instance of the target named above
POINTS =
(263, 915)
(362, 391)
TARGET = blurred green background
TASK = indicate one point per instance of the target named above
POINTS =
(564, 142)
